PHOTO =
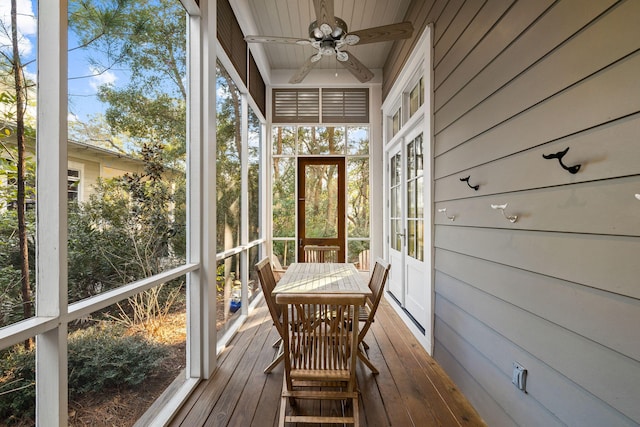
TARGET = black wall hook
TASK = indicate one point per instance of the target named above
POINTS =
(475, 187)
(559, 155)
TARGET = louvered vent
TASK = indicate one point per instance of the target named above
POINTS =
(296, 106)
(345, 105)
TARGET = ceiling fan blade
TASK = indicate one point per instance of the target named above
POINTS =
(324, 15)
(356, 68)
(304, 70)
(402, 30)
(275, 39)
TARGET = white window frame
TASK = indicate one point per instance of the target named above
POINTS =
(418, 65)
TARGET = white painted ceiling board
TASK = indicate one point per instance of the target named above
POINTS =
(291, 18)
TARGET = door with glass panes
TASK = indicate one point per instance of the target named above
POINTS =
(321, 206)
(408, 277)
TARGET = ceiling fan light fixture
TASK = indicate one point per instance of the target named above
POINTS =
(315, 32)
(351, 39)
(326, 29)
(327, 47)
(341, 56)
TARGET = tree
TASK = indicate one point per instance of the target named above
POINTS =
(150, 42)
(12, 60)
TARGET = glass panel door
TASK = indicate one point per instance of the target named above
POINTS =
(321, 205)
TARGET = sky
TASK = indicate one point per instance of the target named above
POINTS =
(82, 91)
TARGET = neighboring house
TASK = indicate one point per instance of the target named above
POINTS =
(86, 163)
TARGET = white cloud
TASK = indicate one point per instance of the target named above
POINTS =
(99, 79)
(27, 25)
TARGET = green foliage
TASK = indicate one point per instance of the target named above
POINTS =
(100, 358)
(149, 40)
(132, 227)
(228, 164)
(103, 357)
(10, 273)
(17, 384)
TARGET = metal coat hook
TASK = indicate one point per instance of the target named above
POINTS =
(511, 218)
(444, 211)
(475, 187)
(638, 196)
(559, 155)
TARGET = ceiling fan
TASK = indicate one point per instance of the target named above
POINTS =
(329, 35)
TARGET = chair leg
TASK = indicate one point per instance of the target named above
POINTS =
(356, 413)
(279, 358)
(367, 362)
(277, 343)
(283, 406)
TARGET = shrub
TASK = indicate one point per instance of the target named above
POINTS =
(103, 357)
(17, 385)
(100, 358)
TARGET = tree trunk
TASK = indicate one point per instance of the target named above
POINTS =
(20, 88)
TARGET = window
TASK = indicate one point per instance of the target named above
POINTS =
(396, 122)
(416, 97)
(73, 185)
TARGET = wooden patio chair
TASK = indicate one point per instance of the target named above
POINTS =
(319, 253)
(320, 357)
(367, 315)
(267, 283)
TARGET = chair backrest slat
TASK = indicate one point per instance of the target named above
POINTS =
(322, 254)
(322, 340)
(268, 283)
(376, 284)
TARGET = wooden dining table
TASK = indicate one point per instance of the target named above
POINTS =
(313, 280)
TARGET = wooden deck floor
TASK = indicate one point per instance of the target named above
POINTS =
(411, 389)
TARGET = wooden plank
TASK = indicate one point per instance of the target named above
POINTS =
(446, 19)
(372, 411)
(607, 374)
(266, 412)
(613, 36)
(596, 207)
(489, 14)
(609, 263)
(420, 14)
(573, 110)
(555, 393)
(430, 376)
(458, 26)
(214, 387)
(619, 156)
(400, 405)
(552, 299)
(255, 398)
(242, 393)
(513, 23)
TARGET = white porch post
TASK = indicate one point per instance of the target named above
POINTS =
(195, 197)
(51, 213)
(244, 201)
(208, 180)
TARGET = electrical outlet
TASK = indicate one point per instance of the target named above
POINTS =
(519, 377)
